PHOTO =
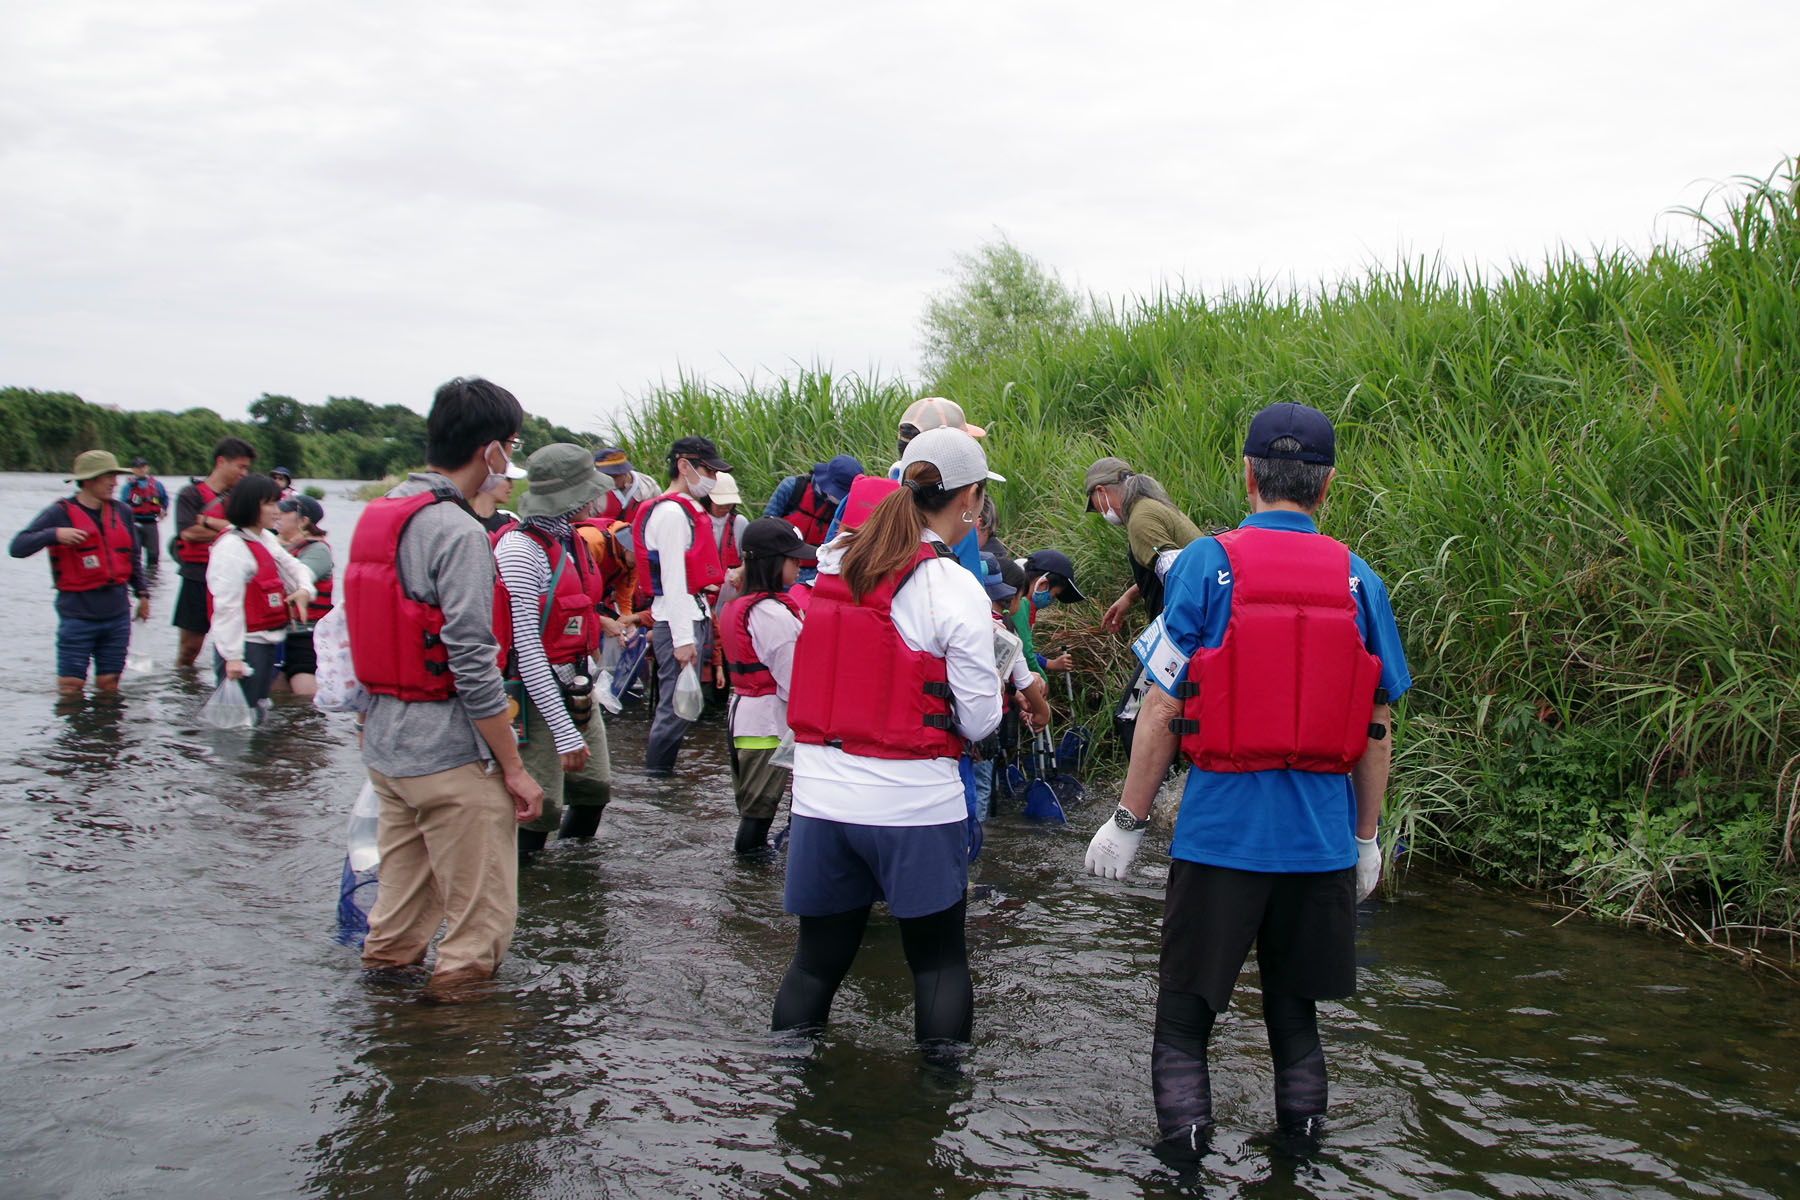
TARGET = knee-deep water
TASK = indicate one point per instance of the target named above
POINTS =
(179, 1021)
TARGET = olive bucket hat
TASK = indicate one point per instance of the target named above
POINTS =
(563, 479)
(90, 463)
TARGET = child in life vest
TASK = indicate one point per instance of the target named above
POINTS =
(298, 529)
(758, 631)
(251, 582)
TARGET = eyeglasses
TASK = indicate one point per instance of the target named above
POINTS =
(514, 446)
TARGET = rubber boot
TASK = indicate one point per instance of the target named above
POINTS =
(530, 842)
(753, 836)
(1301, 1094)
(1182, 1087)
(580, 820)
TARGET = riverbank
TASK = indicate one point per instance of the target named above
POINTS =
(1581, 481)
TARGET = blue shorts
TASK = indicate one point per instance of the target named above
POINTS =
(834, 867)
(79, 639)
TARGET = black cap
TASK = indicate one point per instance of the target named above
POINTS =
(1055, 562)
(701, 450)
(306, 506)
(772, 537)
(140, 461)
(1308, 426)
(282, 471)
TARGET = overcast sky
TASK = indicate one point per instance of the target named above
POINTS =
(203, 201)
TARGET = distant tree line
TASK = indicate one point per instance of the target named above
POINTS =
(343, 438)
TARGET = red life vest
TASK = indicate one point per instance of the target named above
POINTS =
(704, 569)
(142, 496)
(865, 494)
(212, 504)
(104, 560)
(1292, 684)
(801, 595)
(858, 686)
(615, 507)
(811, 515)
(321, 602)
(265, 597)
(729, 558)
(394, 639)
(567, 624)
(748, 675)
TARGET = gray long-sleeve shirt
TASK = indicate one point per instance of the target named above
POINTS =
(444, 561)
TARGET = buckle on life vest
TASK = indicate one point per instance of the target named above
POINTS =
(1184, 726)
(432, 641)
(1381, 695)
(1377, 731)
(1187, 689)
(937, 720)
(937, 687)
(435, 668)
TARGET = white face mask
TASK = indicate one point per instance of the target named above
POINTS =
(1107, 513)
(495, 478)
(701, 487)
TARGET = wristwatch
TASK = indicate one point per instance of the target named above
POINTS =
(1124, 820)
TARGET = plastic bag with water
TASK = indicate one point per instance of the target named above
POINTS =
(358, 886)
(227, 709)
(688, 698)
(603, 682)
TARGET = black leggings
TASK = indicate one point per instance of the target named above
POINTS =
(1178, 1072)
(943, 994)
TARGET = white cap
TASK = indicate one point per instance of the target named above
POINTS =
(935, 412)
(957, 456)
(724, 489)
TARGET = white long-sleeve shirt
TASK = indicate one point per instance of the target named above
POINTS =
(229, 569)
(942, 611)
(669, 533)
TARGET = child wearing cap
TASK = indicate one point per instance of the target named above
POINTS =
(297, 529)
(757, 631)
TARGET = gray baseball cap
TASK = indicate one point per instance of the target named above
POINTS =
(1104, 470)
(957, 456)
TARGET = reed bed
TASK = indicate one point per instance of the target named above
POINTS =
(1581, 480)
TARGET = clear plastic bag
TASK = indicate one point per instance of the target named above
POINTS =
(688, 698)
(359, 882)
(603, 682)
(784, 752)
(338, 690)
(227, 709)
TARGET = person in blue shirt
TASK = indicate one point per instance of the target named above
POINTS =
(1262, 853)
(148, 501)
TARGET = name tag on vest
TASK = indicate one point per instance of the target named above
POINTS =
(91, 561)
(573, 628)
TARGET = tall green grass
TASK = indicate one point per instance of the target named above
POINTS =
(1581, 480)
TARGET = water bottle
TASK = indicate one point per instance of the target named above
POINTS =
(579, 697)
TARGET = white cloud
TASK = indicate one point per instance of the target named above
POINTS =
(200, 202)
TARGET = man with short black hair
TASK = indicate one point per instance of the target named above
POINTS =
(437, 741)
(1276, 658)
(199, 520)
(677, 560)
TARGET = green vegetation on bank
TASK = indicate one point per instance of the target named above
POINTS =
(343, 438)
(1580, 480)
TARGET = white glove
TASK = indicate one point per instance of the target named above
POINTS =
(1109, 855)
(1368, 867)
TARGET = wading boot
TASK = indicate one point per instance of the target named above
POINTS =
(580, 820)
(530, 842)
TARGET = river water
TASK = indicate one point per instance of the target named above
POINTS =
(180, 1022)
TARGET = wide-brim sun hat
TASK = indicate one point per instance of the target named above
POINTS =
(92, 463)
(725, 489)
(957, 456)
(563, 480)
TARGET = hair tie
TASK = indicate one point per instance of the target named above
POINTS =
(913, 484)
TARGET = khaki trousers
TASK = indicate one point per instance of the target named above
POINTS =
(448, 856)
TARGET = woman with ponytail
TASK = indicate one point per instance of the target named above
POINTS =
(893, 672)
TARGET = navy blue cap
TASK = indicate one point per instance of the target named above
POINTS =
(835, 477)
(1308, 426)
(993, 579)
(1055, 562)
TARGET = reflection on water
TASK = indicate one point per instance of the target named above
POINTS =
(181, 1023)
